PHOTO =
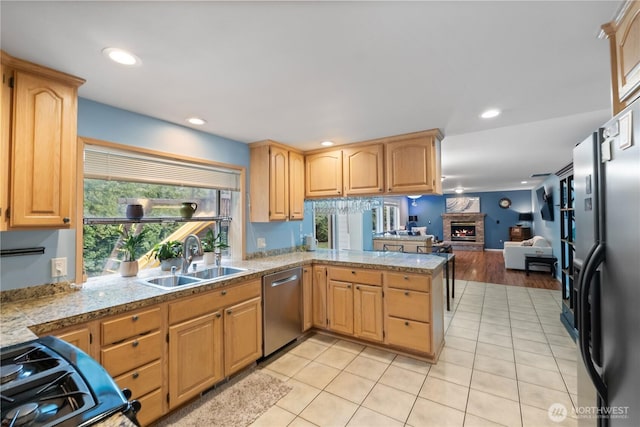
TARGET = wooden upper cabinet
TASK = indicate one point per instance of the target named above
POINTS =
(323, 174)
(276, 179)
(363, 169)
(41, 145)
(296, 185)
(413, 165)
(624, 43)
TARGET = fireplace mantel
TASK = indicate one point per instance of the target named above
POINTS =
(477, 218)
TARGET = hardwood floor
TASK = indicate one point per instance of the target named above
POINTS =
(488, 266)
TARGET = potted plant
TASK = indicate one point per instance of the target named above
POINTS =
(212, 244)
(131, 244)
(169, 254)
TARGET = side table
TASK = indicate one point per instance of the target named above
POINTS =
(539, 259)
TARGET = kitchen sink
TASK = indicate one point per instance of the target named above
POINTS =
(212, 273)
(192, 278)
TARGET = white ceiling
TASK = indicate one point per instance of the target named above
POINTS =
(304, 72)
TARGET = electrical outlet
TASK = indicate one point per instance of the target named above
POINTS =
(261, 243)
(58, 267)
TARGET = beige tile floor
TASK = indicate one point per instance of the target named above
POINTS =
(506, 359)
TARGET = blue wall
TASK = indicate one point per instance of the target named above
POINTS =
(100, 121)
(497, 219)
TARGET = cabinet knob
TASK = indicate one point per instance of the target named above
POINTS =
(358, 287)
(406, 293)
(229, 311)
(66, 220)
(134, 317)
(223, 293)
(353, 272)
(135, 375)
(406, 323)
(135, 343)
(218, 315)
(348, 286)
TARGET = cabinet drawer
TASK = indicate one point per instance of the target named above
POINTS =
(142, 380)
(200, 305)
(409, 334)
(151, 408)
(354, 275)
(130, 325)
(415, 282)
(408, 304)
(131, 354)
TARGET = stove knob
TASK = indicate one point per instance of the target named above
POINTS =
(136, 406)
(127, 393)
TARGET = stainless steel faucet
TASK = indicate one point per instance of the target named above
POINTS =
(190, 248)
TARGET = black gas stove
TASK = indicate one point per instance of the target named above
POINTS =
(48, 382)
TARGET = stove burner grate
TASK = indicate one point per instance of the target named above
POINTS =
(10, 372)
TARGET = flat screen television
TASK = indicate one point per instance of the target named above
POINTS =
(545, 202)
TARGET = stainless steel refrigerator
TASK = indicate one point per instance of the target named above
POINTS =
(607, 264)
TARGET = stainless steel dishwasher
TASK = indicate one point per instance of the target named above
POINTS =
(281, 313)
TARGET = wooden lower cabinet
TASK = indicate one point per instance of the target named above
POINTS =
(413, 312)
(340, 307)
(354, 303)
(211, 336)
(81, 336)
(319, 298)
(367, 312)
(242, 335)
(133, 347)
(195, 357)
(307, 298)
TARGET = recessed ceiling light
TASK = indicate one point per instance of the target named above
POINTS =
(122, 57)
(459, 190)
(489, 114)
(326, 143)
(196, 121)
(524, 182)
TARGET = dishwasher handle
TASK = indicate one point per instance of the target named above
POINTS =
(285, 280)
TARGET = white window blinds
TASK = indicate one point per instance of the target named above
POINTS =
(119, 165)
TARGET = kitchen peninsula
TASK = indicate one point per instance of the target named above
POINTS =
(116, 317)
(403, 243)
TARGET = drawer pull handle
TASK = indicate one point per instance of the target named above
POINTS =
(218, 315)
(406, 277)
(135, 343)
(135, 318)
(223, 293)
(353, 272)
(406, 323)
(406, 293)
(135, 375)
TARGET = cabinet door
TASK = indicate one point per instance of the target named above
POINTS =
(278, 184)
(195, 357)
(80, 336)
(242, 335)
(5, 117)
(412, 166)
(340, 306)
(319, 298)
(628, 53)
(307, 298)
(363, 170)
(296, 185)
(323, 174)
(367, 308)
(43, 160)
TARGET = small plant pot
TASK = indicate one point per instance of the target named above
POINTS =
(129, 268)
(209, 258)
(166, 264)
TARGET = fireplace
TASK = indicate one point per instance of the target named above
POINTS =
(463, 230)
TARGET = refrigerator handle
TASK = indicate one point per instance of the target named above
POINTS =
(593, 261)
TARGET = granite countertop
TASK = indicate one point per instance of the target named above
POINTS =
(402, 237)
(23, 320)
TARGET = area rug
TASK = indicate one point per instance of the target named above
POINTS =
(237, 403)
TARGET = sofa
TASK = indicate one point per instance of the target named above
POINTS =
(514, 252)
